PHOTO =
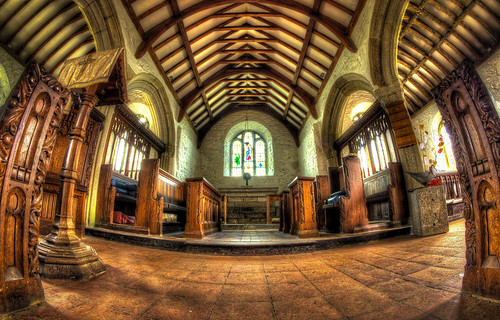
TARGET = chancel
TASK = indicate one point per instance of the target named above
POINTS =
(234, 159)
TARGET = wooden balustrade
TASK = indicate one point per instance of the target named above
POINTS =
(204, 203)
(451, 182)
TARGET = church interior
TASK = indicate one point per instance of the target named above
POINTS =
(250, 159)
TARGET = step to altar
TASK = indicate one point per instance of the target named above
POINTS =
(252, 227)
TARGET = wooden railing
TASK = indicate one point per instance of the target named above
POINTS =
(451, 182)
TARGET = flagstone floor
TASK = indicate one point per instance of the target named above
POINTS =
(400, 278)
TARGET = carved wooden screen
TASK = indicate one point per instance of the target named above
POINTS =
(374, 145)
(28, 128)
(474, 126)
(128, 145)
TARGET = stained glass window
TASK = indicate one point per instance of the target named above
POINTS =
(248, 152)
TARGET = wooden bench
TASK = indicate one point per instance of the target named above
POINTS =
(285, 211)
(159, 197)
(349, 211)
(322, 193)
(453, 192)
(116, 192)
(386, 197)
(204, 203)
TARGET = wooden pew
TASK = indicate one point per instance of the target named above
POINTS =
(29, 122)
(116, 192)
(304, 222)
(159, 194)
(386, 197)
(204, 203)
(286, 211)
(453, 191)
(322, 193)
(350, 212)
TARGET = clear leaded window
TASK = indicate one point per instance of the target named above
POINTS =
(248, 154)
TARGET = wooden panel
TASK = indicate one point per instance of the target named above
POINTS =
(304, 222)
(474, 126)
(31, 118)
(203, 208)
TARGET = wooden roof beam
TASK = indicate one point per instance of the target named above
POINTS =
(189, 51)
(336, 28)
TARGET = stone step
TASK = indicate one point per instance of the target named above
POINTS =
(373, 225)
(253, 227)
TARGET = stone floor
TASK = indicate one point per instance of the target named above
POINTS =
(400, 278)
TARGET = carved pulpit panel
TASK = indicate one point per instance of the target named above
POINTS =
(28, 130)
(474, 126)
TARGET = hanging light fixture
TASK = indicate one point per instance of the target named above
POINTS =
(246, 122)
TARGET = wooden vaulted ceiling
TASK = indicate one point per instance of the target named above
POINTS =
(48, 32)
(218, 56)
(436, 36)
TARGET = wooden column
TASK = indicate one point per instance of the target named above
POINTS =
(28, 128)
(203, 208)
(304, 207)
(62, 254)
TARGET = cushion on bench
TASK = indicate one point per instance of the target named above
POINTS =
(335, 197)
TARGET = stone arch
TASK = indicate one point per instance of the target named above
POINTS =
(152, 90)
(258, 128)
(383, 48)
(342, 89)
(103, 22)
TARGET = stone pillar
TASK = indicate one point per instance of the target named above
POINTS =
(62, 254)
(303, 207)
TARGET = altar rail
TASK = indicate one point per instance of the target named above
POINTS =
(204, 203)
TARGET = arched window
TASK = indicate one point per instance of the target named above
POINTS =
(445, 161)
(248, 154)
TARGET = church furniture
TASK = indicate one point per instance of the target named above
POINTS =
(285, 211)
(95, 78)
(270, 198)
(52, 184)
(116, 192)
(322, 192)
(386, 197)
(159, 194)
(473, 124)
(304, 222)
(203, 202)
(453, 193)
(347, 212)
(28, 127)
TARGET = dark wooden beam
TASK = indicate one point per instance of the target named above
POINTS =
(229, 72)
(155, 32)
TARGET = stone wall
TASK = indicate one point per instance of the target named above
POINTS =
(185, 137)
(10, 71)
(490, 74)
(186, 155)
(313, 161)
(211, 153)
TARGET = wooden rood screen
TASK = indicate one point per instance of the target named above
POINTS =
(129, 142)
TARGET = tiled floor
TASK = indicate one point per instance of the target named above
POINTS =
(402, 278)
(250, 236)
